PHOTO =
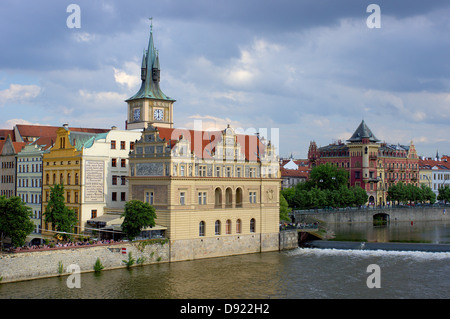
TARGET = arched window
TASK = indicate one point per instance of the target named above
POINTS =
(201, 228)
(61, 179)
(54, 178)
(239, 197)
(228, 198)
(228, 227)
(76, 178)
(217, 227)
(218, 197)
(238, 226)
(47, 179)
(252, 225)
(68, 178)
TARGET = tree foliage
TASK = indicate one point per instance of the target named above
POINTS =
(284, 209)
(444, 194)
(401, 193)
(137, 215)
(326, 187)
(58, 214)
(15, 220)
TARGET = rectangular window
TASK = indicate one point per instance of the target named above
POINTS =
(123, 180)
(202, 198)
(114, 162)
(182, 170)
(149, 198)
(202, 170)
(93, 213)
(182, 198)
(114, 196)
(123, 163)
(122, 145)
(113, 145)
(123, 196)
(252, 197)
(114, 180)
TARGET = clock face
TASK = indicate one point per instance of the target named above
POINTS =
(158, 115)
(137, 114)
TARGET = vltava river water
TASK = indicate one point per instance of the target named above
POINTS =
(299, 273)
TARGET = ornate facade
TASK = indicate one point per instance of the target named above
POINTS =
(372, 165)
(215, 192)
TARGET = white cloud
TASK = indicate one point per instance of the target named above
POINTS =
(84, 37)
(19, 93)
(9, 124)
(129, 76)
(211, 123)
(102, 97)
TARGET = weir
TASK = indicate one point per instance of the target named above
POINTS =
(349, 245)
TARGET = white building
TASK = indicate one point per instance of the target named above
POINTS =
(104, 190)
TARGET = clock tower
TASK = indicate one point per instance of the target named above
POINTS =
(149, 106)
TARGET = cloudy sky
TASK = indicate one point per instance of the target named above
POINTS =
(301, 70)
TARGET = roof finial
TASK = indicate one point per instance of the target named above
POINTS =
(151, 24)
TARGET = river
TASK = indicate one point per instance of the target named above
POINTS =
(302, 273)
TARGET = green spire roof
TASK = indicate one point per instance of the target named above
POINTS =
(150, 75)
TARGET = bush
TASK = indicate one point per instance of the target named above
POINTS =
(98, 265)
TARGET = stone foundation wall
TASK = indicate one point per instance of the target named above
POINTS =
(208, 247)
(41, 264)
(288, 239)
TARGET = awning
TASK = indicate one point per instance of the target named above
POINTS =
(106, 219)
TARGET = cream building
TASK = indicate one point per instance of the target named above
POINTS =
(216, 192)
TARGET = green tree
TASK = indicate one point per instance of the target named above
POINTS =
(360, 195)
(347, 196)
(137, 215)
(284, 209)
(288, 194)
(62, 218)
(327, 176)
(444, 194)
(15, 220)
(414, 193)
(427, 194)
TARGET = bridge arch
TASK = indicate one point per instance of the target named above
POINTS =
(381, 218)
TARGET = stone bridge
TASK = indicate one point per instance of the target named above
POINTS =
(368, 215)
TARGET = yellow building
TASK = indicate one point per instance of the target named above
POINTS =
(62, 165)
(216, 192)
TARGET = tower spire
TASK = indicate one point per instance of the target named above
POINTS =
(150, 73)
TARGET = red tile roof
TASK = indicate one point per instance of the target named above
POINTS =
(423, 163)
(250, 145)
(302, 172)
(4, 134)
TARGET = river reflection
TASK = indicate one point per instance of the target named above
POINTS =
(435, 232)
(296, 274)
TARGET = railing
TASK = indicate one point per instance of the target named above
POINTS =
(300, 226)
(371, 207)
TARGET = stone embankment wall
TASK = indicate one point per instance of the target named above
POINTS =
(41, 264)
(366, 215)
(288, 239)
